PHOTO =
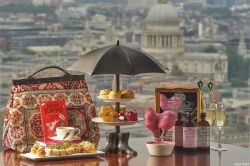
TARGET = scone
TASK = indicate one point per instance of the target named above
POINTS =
(105, 93)
(114, 94)
(108, 114)
(127, 94)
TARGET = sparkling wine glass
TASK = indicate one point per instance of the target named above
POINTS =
(210, 114)
(220, 120)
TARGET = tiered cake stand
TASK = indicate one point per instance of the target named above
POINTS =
(117, 142)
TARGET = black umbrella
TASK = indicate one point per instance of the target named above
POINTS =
(117, 59)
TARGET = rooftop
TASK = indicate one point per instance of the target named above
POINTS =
(162, 14)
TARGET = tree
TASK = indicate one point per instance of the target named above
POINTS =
(238, 67)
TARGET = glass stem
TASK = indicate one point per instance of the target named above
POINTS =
(219, 145)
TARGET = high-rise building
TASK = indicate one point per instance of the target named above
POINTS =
(242, 49)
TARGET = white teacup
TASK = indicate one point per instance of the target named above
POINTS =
(64, 133)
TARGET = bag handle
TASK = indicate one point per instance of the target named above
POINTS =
(49, 67)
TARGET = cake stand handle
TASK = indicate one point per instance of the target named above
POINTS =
(118, 142)
(117, 104)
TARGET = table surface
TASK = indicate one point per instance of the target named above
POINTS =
(235, 156)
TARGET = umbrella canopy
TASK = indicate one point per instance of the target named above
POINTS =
(117, 59)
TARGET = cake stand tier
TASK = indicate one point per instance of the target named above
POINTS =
(115, 100)
(118, 123)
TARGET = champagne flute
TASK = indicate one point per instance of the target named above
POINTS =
(210, 114)
(220, 120)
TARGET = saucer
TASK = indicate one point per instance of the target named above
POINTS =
(75, 138)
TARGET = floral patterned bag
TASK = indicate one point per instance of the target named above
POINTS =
(22, 121)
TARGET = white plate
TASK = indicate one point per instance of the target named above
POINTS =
(59, 139)
(115, 100)
(49, 158)
(118, 123)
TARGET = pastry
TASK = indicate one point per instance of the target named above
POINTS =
(108, 114)
(131, 115)
(88, 147)
(48, 151)
(75, 148)
(69, 149)
(62, 152)
(41, 151)
(81, 149)
(114, 94)
(34, 148)
(105, 93)
(55, 152)
(127, 93)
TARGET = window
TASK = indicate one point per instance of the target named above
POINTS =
(33, 39)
